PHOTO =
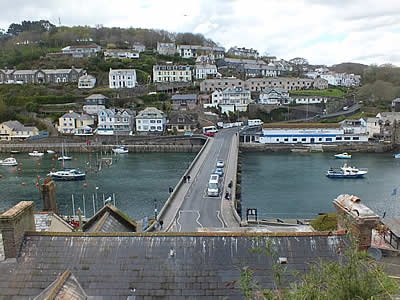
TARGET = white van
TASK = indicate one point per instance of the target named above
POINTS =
(213, 186)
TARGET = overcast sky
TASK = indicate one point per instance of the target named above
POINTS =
(322, 31)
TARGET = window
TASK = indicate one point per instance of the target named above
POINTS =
(356, 138)
(347, 138)
(338, 138)
(286, 139)
(158, 121)
(294, 140)
(328, 139)
(303, 139)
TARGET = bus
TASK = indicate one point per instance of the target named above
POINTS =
(212, 129)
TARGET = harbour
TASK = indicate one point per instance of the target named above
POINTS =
(278, 185)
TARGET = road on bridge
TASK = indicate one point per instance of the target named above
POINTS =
(198, 210)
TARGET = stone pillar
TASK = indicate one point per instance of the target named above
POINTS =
(13, 225)
(48, 191)
(354, 215)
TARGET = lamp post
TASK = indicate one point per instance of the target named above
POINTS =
(155, 209)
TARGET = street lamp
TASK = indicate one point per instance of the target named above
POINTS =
(155, 209)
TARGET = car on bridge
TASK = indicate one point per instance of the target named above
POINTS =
(220, 164)
(219, 171)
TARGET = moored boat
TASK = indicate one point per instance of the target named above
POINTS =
(346, 172)
(64, 157)
(343, 155)
(36, 153)
(67, 175)
(397, 155)
(120, 150)
(9, 161)
(50, 151)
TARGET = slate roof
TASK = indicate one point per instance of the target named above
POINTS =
(110, 219)
(159, 266)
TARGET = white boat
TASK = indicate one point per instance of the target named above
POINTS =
(64, 157)
(397, 155)
(346, 171)
(9, 161)
(36, 154)
(67, 175)
(120, 150)
(343, 155)
(51, 151)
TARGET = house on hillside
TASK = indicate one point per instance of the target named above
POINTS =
(86, 82)
(81, 51)
(15, 131)
(121, 53)
(184, 101)
(40, 76)
(171, 73)
(151, 120)
(274, 96)
(205, 68)
(166, 48)
(235, 99)
(122, 78)
(95, 103)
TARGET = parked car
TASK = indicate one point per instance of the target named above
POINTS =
(220, 164)
(210, 134)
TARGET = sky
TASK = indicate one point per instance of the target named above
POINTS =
(325, 32)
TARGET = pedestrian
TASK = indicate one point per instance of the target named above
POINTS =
(161, 224)
(184, 178)
(188, 178)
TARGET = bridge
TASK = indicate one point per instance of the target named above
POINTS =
(189, 208)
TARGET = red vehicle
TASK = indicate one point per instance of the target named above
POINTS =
(210, 134)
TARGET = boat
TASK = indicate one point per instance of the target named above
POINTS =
(346, 171)
(9, 161)
(14, 152)
(343, 155)
(51, 151)
(120, 150)
(397, 155)
(36, 154)
(64, 157)
(67, 174)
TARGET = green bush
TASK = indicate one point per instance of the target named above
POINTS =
(325, 222)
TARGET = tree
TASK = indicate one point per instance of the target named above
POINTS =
(298, 64)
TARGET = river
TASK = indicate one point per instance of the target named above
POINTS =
(279, 185)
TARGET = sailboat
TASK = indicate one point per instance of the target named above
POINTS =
(119, 149)
(64, 157)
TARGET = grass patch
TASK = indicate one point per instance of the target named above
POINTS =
(323, 93)
(325, 222)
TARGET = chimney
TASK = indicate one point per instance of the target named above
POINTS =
(13, 225)
(357, 217)
(48, 192)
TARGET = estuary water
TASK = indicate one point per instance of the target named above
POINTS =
(279, 185)
(294, 185)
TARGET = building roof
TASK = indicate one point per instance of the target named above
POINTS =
(110, 219)
(180, 118)
(189, 97)
(185, 265)
(96, 96)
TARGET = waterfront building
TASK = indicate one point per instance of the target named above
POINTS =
(15, 131)
(40, 76)
(115, 121)
(122, 78)
(151, 120)
(86, 82)
(74, 123)
(171, 73)
(312, 135)
(81, 51)
(95, 103)
(179, 122)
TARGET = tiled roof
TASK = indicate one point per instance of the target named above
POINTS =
(168, 266)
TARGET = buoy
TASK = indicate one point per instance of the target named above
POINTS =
(23, 183)
(75, 159)
(1, 176)
(37, 183)
(19, 169)
(38, 159)
(20, 164)
(38, 164)
(85, 185)
(52, 159)
(38, 177)
(53, 169)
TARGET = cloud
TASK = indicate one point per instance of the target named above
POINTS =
(323, 32)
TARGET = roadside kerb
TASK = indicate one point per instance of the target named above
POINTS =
(176, 190)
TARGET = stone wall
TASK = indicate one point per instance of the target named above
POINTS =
(13, 225)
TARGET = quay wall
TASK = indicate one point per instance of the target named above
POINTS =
(361, 147)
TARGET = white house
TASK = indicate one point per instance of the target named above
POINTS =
(111, 121)
(121, 53)
(171, 73)
(122, 78)
(82, 50)
(152, 120)
(166, 48)
(86, 82)
(275, 96)
(205, 67)
(235, 99)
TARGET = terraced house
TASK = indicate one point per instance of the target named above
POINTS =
(171, 73)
